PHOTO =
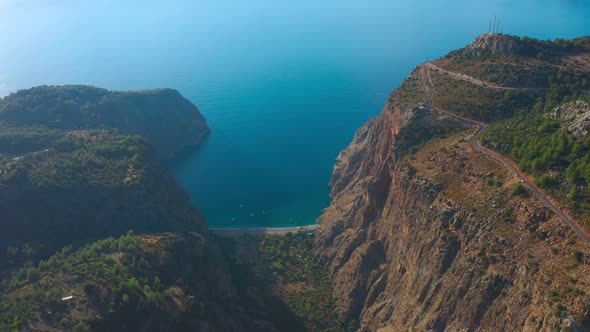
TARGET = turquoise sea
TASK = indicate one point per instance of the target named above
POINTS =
(283, 84)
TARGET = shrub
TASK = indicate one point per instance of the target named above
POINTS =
(518, 189)
(81, 327)
(544, 181)
(578, 256)
(33, 274)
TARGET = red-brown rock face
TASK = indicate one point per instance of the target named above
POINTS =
(415, 240)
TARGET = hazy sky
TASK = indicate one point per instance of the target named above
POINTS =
(61, 41)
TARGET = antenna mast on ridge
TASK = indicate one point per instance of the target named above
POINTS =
(494, 26)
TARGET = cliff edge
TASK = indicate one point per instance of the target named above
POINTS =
(426, 232)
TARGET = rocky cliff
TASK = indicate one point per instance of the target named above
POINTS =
(574, 117)
(495, 43)
(425, 232)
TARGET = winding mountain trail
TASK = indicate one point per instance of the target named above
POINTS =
(524, 178)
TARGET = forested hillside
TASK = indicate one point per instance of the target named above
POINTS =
(169, 121)
(74, 165)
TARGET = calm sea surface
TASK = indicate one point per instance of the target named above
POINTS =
(283, 84)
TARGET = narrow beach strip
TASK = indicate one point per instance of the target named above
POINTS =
(257, 231)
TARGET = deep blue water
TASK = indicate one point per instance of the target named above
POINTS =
(283, 84)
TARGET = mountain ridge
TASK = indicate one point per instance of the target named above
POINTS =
(425, 232)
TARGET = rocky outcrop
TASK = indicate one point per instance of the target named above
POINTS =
(414, 239)
(574, 117)
(496, 44)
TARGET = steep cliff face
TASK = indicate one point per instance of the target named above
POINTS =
(426, 233)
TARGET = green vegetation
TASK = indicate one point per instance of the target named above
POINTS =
(302, 280)
(69, 164)
(529, 65)
(73, 168)
(478, 102)
(565, 86)
(505, 71)
(77, 107)
(511, 75)
(116, 284)
(492, 181)
(96, 158)
(26, 139)
(284, 271)
(86, 185)
(578, 256)
(410, 92)
(42, 112)
(559, 161)
(73, 135)
(35, 292)
(165, 276)
(535, 142)
(57, 107)
(533, 47)
(519, 190)
(526, 49)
